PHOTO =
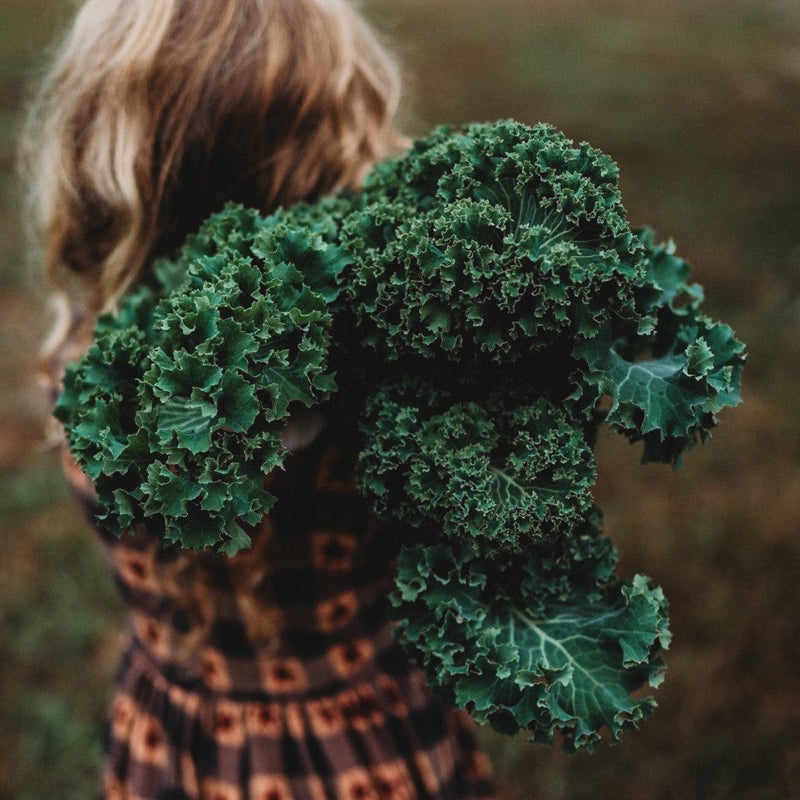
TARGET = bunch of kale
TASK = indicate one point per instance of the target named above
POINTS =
(482, 306)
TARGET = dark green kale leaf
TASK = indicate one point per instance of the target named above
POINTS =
(487, 244)
(668, 385)
(177, 410)
(561, 656)
(494, 475)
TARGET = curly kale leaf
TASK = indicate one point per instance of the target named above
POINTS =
(666, 284)
(176, 412)
(492, 475)
(98, 402)
(666, 387)
(548, 663)
(486, 244)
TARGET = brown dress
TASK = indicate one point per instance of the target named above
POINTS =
(274, 675)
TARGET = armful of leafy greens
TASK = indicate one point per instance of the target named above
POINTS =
(495, 270)
(475, 304)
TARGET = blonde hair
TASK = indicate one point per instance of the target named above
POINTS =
(157, 112)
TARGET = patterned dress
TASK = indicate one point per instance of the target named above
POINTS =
(273, 675)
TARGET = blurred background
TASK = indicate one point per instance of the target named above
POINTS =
(699, 103)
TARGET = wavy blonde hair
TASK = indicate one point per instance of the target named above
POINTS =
(157, 112)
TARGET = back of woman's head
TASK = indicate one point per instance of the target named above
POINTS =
(157, 112)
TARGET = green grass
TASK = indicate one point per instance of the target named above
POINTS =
(59, 624)
(700, 105)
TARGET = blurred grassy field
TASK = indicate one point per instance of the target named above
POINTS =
(700, 105)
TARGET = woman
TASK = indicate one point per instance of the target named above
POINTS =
(271, 675)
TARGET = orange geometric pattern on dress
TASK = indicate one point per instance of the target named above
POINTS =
(265, 747)
(356, 784)
(393, 782)
(220, 790)
(326, 717)
(350, 658)
(336, 613)
(214, 670)
(229, 727)
(332, 551)
(361, 708)
(148, 741)
(284, 675)
(137, 568)
(269, 787)
(123, 711)
(264, 720)
(153, 634)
